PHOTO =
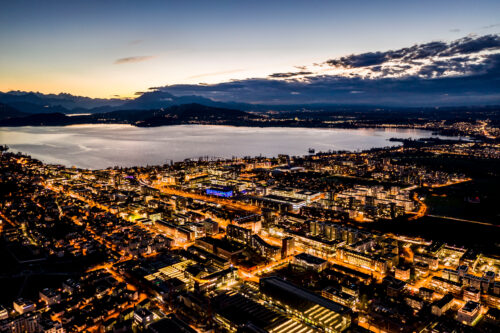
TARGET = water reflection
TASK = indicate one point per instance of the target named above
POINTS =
(101, 146)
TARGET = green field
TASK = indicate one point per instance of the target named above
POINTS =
(452, 201)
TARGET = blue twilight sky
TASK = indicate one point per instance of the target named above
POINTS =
(105, 48)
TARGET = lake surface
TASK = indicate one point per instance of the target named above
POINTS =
(102, 146)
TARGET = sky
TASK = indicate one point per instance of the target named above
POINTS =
(118, 48)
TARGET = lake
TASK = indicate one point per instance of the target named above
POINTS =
(102, 146)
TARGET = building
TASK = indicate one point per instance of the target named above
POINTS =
(239, 234)
(294, 203)
(439, 307)
(394, 286)
(25, 323)
(179, 234)
(220, 191)
(287, 247)
(477, 282)
(314, 228)
(223, 248)
(426, 293)
(468, 313)
(234, 312)
(22, 305)
(50, 296)
(339, 296)
(4, 314)
(445, 286)
(70, 286)
(217, 279)
(452, 275)
(208, 257)
(402, 273)
(305, 305)
(489, 275)
(357, 258)
(415, 302)
(496, 288)
(263, 248)
(49, 326)
(170, 324)
(313, 245)
(432, 261)
(462, 270)
(211, 227)
(288, 192)
(472, 294)
(143, 316)
(421, 269)
(310, 262)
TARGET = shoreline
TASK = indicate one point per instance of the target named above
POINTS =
(383, 128)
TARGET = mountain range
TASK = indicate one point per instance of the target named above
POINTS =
(17, 103)
(159, 107)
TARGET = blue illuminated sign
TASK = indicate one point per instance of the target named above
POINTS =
(219, 193)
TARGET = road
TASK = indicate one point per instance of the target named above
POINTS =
(5, 218)
(422, 209)
(451, 183)
(464, 220)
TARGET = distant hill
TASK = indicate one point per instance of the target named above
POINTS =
(195, 113)
(174, 115)
(7, 111)
(40, 119)
(35, 108)
(162, 99)
(34, 102)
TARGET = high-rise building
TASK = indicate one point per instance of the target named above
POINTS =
(287, 247)
(314, 228)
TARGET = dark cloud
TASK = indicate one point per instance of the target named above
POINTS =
(431, 74)
(455, 30)
(130, 60)
(414, 90)
(462, 66)
(422, 51)
(480, 88)
(359, 60)
(289, 74)
(417, 52)
(390, 70)
(470, 45)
